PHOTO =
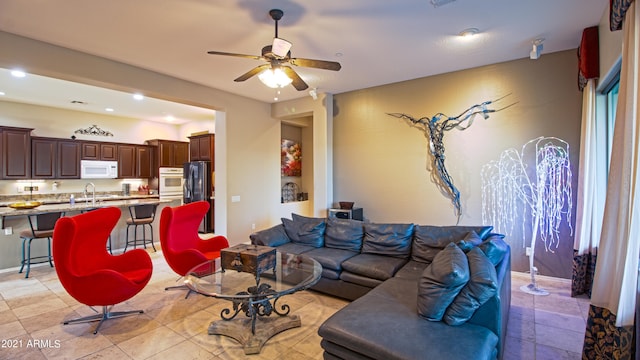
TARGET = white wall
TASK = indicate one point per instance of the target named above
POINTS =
(61, 123)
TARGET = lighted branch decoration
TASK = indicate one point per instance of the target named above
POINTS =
(434, 129)
(513, 192)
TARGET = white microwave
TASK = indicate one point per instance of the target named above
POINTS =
(96, 169)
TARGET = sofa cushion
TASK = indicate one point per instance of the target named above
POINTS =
(388, 239)
(330, 258)
(358, 279)
(273, 236)
(330, 274)
(411, 270)
(294, 248)
(383, 324)
(482, 285)
(495, 248)
(379, 267)
(344, 234)
(441, 282)
(308, 232)
(429, 240)
(298, 217)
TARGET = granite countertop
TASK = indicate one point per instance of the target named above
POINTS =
(81, 204)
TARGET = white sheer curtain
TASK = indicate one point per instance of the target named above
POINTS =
(592, 177)
(616, 275)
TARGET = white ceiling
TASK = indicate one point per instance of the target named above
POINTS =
(376, 41)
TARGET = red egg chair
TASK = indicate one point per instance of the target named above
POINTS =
(182, 246)
(89, 273)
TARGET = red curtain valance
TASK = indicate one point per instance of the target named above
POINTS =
(617, 9)
(588, 57)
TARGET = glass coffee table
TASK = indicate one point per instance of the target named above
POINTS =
(254, 296)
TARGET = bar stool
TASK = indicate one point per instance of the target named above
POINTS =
(40, 227)
(141, 215)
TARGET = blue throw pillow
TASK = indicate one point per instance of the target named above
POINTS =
(470, 241)
(482, 285)
(306, 232)
(441, 282)
(495, 248)
(274, 236)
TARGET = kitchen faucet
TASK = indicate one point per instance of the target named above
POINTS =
(93, 195)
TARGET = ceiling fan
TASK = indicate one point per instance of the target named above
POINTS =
(276, 56)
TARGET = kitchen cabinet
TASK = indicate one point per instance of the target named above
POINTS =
(202, 148)
(99, 151)
(126, 161)
(170, 153)
(55, 159)
(135, 161)
(144, 161)
(68, 164)
(43, 158)
(16, 152)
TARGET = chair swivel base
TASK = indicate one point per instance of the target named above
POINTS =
(105, 315)
(181, 287)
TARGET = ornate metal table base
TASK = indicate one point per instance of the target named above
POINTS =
(240, 330)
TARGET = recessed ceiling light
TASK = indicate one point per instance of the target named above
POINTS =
(18, 73)
(169, 118)
(108, 109)
(138, 96)
(2, 93)
(467, 33)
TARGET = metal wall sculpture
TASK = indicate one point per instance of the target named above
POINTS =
(434, 129)
(93, 130)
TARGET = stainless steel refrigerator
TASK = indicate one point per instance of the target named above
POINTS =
(198, 187)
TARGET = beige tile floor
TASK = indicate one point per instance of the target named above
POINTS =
(32, 310)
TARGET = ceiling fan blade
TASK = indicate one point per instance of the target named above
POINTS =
(256, 70)
(319, 64)
(236, 55)
(297, 81)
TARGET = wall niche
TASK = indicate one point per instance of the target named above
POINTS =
(296, 166)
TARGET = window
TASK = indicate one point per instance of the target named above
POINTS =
(611, 94)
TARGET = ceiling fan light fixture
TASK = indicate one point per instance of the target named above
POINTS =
(280, 47)
(274, 78)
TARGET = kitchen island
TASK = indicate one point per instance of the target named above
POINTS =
(80, 205)
(13, 221)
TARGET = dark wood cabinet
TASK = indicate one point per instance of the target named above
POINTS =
(99, 151)
(16, 153)
(68, 164)
(43, 158)
(170, 153)
(144, 162)
(108, 151)
(90, 151)
(135, 161)
(126, 161)
(55, 159)
(202, 148)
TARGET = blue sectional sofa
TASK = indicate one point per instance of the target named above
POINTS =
(418, 292)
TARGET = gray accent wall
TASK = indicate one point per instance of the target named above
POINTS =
(382, 163)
